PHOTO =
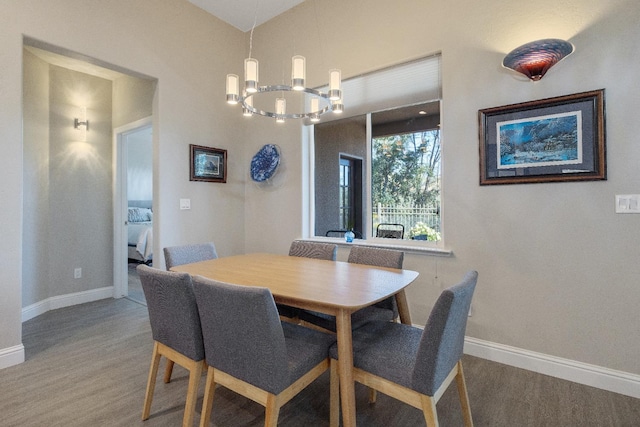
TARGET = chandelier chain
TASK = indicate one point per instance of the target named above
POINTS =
(255, 20)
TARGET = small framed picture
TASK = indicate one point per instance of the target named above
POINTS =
(548, 140)
(207, 164)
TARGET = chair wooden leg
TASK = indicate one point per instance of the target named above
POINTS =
(373, 394)
(315, 327)
(429, 410)
(294, 320)
(464, 396)
(334, 394)
(195, 372)
(272, 410)
(151, 381)
(207, 402)
(168, 371)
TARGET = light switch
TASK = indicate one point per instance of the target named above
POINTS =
(628, 203)
(185, 204)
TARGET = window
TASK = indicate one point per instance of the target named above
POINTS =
(405, 184)
(402, 161)
(380, 168)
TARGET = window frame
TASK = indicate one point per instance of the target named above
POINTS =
(398, 99)
(422, 246)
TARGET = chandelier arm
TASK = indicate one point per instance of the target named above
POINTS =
(285, 88)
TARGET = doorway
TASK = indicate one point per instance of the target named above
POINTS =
(69, 179)
(133, 206)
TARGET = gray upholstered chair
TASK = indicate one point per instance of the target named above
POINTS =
(317, 250)
(186, 254)
(177, 335)
(416, 366)
(390, 231)
(388, 258)
(386, 310)
(255, 354)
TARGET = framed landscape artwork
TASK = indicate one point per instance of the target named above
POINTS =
(207, 164)
(549, 140)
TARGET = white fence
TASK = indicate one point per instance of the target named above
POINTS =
(407, 216)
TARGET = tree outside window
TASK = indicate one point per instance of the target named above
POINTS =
(405, 181)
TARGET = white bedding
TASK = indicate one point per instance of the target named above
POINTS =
(140, 235)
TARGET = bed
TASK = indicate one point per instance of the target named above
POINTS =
(140, 231)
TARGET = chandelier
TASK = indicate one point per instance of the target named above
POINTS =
(309, 103)
(271, 100)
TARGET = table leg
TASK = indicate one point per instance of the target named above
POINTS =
(345, 368)
(403, 308)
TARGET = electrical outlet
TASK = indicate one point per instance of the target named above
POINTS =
(77, 273)
(185, 204)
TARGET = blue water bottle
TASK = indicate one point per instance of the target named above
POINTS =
(349, 235)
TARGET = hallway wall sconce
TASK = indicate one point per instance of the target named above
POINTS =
(534, 59)
(81, 122)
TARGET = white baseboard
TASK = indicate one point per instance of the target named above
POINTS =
(67, 300)
(578, 372)
(11, 356)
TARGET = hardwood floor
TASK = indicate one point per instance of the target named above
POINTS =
(87, 365)
(135, 292)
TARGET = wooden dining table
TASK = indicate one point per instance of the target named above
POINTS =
(332, 287)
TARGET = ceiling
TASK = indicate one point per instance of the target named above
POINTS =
(242, 13)
(410, 112)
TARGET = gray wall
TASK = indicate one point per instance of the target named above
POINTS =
(69, 201)
(331, 140)
(80, 186)
(35, 229)
(132, 99)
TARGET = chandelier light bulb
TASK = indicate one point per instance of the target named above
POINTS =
(246, 109)
(298, 72)
(251, 75)
(232, 88)
(335, 85)
(314, 107)
(281, 109)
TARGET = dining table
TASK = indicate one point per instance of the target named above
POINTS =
(333, 287)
